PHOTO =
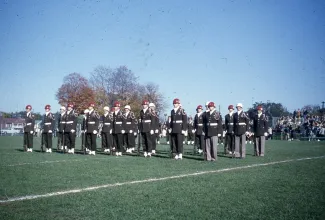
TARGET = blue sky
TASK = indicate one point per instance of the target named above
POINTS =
(223, 51)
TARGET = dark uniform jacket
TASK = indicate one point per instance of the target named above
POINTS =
(260, 125)
(178, 121)
(241, 123)
(118, 122)
(130, 122)
(146, 121)
(107, 123)
(155, 121)
(29, 122)
(198, 124)
(229, 123)
(212, 123)
(48, 122)
(70, 121)
(92, 121)
(61, 122)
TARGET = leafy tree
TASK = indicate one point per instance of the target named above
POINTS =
(75, 89)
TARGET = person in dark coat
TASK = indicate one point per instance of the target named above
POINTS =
(260, 128)
(230, 138)
(48, 127)
(92, 128)
(29, 129)
(198, 129)
(107, 129)
(241, 129)
(70, 128)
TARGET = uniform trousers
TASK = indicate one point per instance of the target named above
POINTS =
(119, 142)
(91, 141)
(146, 141)
(211, 148)
(200, 142)
(28, 140)
(47, 138)
(259, 145)
(240, 146)
(70, 139)
(230, 142)
(60, 139)
(177, 143)
(129, 140)
(107, 140)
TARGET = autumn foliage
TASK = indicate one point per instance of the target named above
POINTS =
(75, 89)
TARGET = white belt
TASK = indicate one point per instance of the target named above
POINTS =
(241, 123)
(128, 123)
(213, 124)
(70, 122)
(199, 124)
(146, 121)
(47, 123)
(118, 122)
(178, 121)
(231, 123)
(91, 122)
(106, 123)
(29, 124)
(62, 122)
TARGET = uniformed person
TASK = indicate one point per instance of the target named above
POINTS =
(260, 127)
(212, 124)
(190, 131)
(178, 128)
(229, 125)
(167, 126)
(92, 128)
(146, 128)
(70, 128)
(60, 129)
(29, 129)
(48, 127)
(118, 128)
(155, 127)
(198, 129)
(84, 141)
(107, 130)
(241, 129)
(130, 128)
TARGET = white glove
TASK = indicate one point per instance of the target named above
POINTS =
(123, 131)
(72, 131)
(31, 132)
(156, 131)
(170, 130)
(94, 132)
(86, 131)
(247, 133)
(203, 133)
(219, 135)
(82, 131)
(193, 131)
(265, 134)
(50, 131)
(57, 129)
(183, 132)
(135, 133)
(151, 132)
(131, 131)
(110, 131)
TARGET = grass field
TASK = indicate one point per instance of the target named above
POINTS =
(289, 183)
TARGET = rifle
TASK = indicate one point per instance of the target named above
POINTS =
(139, 142)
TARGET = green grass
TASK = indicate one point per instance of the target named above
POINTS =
(292, 190)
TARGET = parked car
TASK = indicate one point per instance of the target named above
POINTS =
(10, 131)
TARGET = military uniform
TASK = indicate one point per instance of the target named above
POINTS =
(146, 123)
(199, 133)
(60, 134)
(130, 129)
(70, 130)
(48, 127)
(212, 124)
(178, 126)
(29, 130)
(92, 129)
(155, 127)
(241, 129)
(190, 131)
(230, 138)
(118, 129)
(260, 128)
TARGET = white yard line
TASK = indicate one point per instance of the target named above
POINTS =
(31, 197)
(42, 162)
